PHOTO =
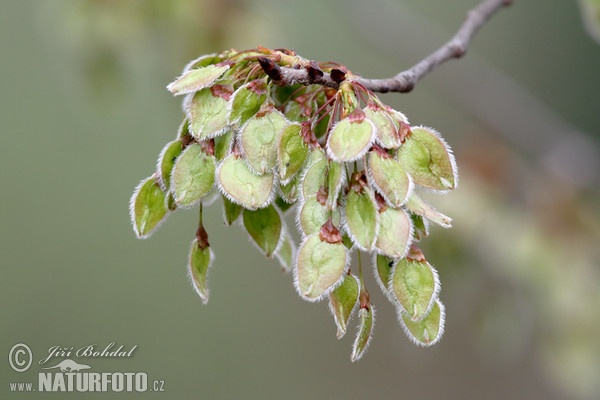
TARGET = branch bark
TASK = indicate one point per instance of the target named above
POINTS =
(406, 80)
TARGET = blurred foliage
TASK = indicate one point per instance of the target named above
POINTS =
(590, 12)
(522, 262)
(110, 39)
(537, 237)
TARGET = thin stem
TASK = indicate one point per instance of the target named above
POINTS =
(200, 216)
(360, 275)
(406, 80)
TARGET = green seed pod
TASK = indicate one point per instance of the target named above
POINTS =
(420, 226)
(320, 128)
(258, 140)
(384, 267)
(294, 112)
(336, 179)
(208, 113)
(246, 101)
(242, 186)
(342, 302)
(147, 207)
(389, 178)
(166, 161)
(427, 331)
(362, 218)
(320, 266)
(197, 79)
(312, 214)
(292, 151)
(193, 176)
(366, 317)
(418, 206)
(351, 137)
(395, 233)
(386, 128)
(416, 286)
(314, 178)
(290, 192)
(199, 261)
(231, 211)
(315, 154)
(428, 159)
(264, 227)
(184, 128)
(209, 59)
(282, 205)
(202, 61)
(223, 145)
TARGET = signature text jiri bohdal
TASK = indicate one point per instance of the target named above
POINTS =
(93, 350)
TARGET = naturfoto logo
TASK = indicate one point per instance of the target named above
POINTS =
(61, 373)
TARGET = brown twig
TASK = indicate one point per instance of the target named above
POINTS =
(405, 81)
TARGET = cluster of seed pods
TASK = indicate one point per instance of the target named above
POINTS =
(348, 166)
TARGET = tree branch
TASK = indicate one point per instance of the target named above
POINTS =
(404, 81)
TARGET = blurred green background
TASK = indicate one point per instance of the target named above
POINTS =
(84, 114)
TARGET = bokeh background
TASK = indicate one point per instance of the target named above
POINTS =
(84, 113)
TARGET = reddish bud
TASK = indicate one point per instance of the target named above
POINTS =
(329, 233)
(337, 75)
(415, 254)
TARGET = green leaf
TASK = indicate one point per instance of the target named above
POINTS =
(389, 178)
(193, 176)
(416, 286)
(258, 140)
(147, 208)
(231, 211)
(418, 206)
(246, 101)
(427, 331)
(366, 317)
(265, 227)
(343, 301)
(199, 261)
(351, 137)
(319, 267)
(166, 161)
(208, 115)
(242, 186)
(197, 79)
(395, 233)
(291, 151)
(362, 218)
(428, 159)
(286, 254)
(312, 215)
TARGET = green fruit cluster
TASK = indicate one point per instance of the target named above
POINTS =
(348, 165)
